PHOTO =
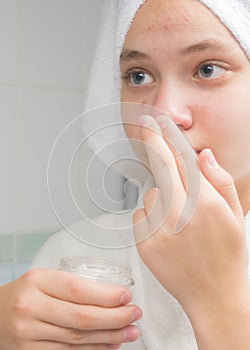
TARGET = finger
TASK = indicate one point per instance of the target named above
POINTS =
(221, 180)
(173, 167)
(155, 211)
(175, 137)
(161, 160)
(42, 345)
(187, 162)
(69, 287)
(140, 225)
(150, 199)
(86, 317)
(77, 336)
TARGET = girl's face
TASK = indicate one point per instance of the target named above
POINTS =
(179, 58)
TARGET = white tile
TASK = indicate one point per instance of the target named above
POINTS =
(43, 114)
(56, 41)
(8, 40)
(8, 147)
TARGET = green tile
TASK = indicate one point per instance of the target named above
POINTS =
(28, 245)
(6, 248)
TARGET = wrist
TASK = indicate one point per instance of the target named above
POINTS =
(224, 324)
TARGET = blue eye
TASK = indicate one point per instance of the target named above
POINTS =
(210, 71)
(140, 78)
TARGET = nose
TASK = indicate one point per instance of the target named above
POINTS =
(174, 102)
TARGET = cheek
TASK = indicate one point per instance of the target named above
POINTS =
(216, 114)
(132, 131)
(130, 116)
(224, 127)
(131, 111)
(123, 94)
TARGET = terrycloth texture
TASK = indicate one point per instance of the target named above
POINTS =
(116, 18)
(115, 21)
(235, 15)
(164, 325)
(105, 127)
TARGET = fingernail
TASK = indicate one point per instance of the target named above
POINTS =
(162, 120)
(125, 298)
(211, 159)
(136, 315)
(145, 120)
(131, 334)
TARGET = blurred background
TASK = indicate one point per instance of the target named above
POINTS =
(46, 47)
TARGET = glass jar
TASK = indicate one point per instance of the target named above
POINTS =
(98, 269)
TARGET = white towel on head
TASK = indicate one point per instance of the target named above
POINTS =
(103, 85)
(104, 126)
(164, 326)
(116, 18)
(235, 15)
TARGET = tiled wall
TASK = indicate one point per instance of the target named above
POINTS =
(17, 252)
(45, 50)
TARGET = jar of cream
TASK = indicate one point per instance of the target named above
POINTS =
(98, 269)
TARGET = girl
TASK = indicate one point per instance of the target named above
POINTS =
(190, 60)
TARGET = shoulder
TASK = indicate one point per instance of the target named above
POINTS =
(89, 237)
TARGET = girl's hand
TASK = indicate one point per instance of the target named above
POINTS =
(49, 309)
(196, 244)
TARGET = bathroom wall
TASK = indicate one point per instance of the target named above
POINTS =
(45, 50)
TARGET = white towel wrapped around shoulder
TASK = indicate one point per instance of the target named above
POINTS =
(164, 320)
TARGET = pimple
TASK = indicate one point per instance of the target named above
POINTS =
(169, 26)
(169, 23)
(151, 27)
(186, 22)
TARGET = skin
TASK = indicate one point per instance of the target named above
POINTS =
(55, 310)
(213, 112)
(49, 309)
(199, 77)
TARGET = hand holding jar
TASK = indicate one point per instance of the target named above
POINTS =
(50, 309)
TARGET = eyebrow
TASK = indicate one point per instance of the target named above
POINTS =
(128, 55)
(205, 45)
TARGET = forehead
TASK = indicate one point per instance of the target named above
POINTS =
(172, 15)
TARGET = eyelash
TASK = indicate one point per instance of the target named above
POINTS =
(218, 64)
(127, 76)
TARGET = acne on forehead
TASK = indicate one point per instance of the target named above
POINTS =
(168, 24)
(154, 15)
(164, 14)
(158, 16)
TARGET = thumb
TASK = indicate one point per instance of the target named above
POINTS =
(221, 180)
